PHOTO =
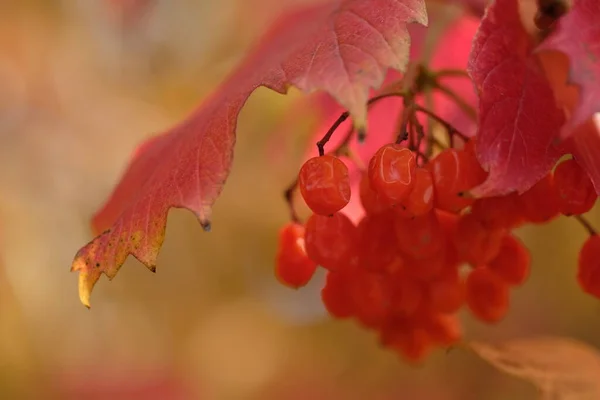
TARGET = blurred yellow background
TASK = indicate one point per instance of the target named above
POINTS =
(81, 83)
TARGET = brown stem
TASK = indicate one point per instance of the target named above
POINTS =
(344, 116)
(586, 224)
(452, 131)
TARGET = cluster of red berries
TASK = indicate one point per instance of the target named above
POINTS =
(424, 248)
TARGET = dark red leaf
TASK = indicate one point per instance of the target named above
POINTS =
(578, 36)
(519, 120)
(343, 47)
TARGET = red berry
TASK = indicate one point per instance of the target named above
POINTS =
(446, 295)
(330, 241)
(588, 272)
(372, 296)
(513, 261)
(407, 295)
(370, 200)
(487, 295)
(420, 199)
(443, 329)
(475, 243)
(391, 173)
(336, 295)
(293, 267)
(540, 203)
(575, 191)
(455, 172)
(324, 184)
(410, 341)
(498, 212)
(419, 237)
(377, 243)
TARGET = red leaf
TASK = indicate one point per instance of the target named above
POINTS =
(344, 48)
(519, 120)
(578, 36)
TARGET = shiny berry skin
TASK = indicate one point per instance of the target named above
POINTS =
(588, 266)
(539, 204)
(513, 261)
(330, 241)
(455, 172)
(392, 173)
(487, 295)
(293, 268)
(575, 192)
(324, 184)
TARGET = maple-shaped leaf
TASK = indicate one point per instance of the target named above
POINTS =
(577, 35)
(342, 47)
(519, 120)
(561, 368)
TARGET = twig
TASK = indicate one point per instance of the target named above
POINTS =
(452, 131)
(586, 224)
(344, 116)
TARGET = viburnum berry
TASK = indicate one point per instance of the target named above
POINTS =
(539, 204)
(377, 246)
(405, 337)
(324, 184)
(407, 295)
(588, 266)
(336, 295)
(369, 198)
(513, 261)
(498, 212)
(392, 173)
(420, 199)
(293, 267)
(575, 191)
(372, 297)
(330, 241)
(455, 172)
(487, 295)
(443, 329)
(446, 295)
(420, 236)
(474, 243)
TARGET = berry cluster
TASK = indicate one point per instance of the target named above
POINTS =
(425, 247)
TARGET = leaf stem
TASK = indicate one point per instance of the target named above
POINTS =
(586, 224)
(344, 116)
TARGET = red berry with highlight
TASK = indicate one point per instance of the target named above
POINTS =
(392, 173)
(324, 184)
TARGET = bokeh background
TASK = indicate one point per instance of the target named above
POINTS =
(82, 82)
